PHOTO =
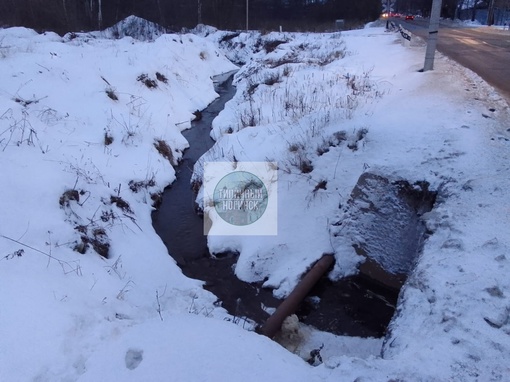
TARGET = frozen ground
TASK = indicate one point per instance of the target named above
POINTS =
(79, 169)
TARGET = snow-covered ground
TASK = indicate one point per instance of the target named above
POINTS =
(90, 128)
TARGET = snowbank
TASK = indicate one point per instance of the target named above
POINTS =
(80, 120)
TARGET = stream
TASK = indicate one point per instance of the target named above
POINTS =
(351, 306)
(181, 228)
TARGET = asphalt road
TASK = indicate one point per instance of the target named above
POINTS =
(484, 50)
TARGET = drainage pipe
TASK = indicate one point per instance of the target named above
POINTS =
(291, 303)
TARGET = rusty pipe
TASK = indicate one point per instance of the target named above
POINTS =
(291, 303)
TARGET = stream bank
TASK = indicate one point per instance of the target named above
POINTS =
(354, 306)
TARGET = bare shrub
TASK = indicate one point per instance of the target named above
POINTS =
(165, 150)
(49, 116)
(228, 37)
(289, 58)
(252, 86)
(270, 46)
(157, 199)
(248, 119)
(359, 135)
(287, 71)
(131, 127)
(67, 267)
(95, 237)
(142, 184)
(68, 196)
(110, 91)
(340, 136)
(111, 94)
(360, 84)
(353, 146)
(18, 253)
(332, 56)
(196, 184)
(108, 138)
(25, 102)
(137, 106)
(321, 185)
(272, 78)
(301, 161)
(147, 81)
(349, 105)
(19, 131)
(295, 147)
(161, 77)
(333, 141)
(88, 172)
(121, 203)
(305, 165)
(298, 156)
(323, 148)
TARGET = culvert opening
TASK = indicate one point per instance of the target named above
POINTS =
(382, 223)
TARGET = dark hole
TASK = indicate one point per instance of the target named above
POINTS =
(354, 306)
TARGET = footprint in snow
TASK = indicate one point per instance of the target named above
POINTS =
(133, 358)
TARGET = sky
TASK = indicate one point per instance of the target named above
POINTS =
(69, 151)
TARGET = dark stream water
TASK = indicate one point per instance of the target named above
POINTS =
(352, 306)
(181, 228)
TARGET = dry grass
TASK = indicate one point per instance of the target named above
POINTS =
(165, 151)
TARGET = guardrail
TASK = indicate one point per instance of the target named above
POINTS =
(404, 33)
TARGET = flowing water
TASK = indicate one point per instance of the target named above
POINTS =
(355, 306)
(181, 228)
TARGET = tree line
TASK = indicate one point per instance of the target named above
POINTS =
(423, 7)
(450, 8)
(63, 16)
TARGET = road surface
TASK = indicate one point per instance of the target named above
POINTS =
(484, 50)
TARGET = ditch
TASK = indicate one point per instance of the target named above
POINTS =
(360, 305)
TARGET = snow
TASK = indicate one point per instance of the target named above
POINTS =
(69, 316)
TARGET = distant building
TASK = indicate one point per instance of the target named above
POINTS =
(340, 24)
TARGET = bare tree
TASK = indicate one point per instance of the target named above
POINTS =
(64, 16)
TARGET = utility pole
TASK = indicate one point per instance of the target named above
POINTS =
(435, 14)
(388, 11)
(199, 9)
(490, 13)
(247, 1)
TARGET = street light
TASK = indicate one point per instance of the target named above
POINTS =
(199, 9)
(247, 15)
(490, 13)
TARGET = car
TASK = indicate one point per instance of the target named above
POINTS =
(409, 17)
